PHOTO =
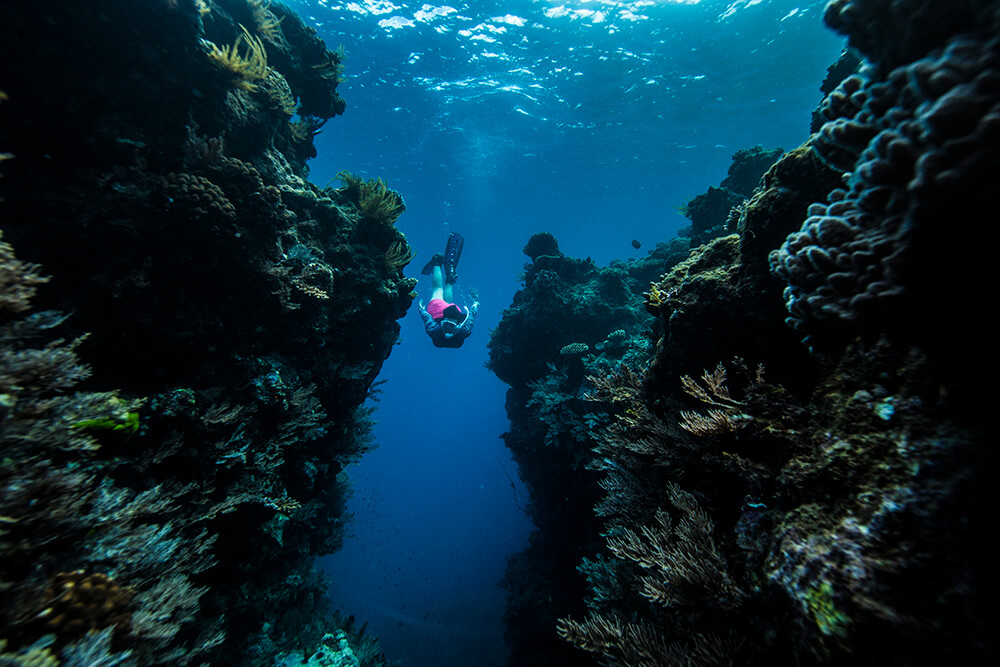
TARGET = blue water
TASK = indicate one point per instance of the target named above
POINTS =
(593, 120)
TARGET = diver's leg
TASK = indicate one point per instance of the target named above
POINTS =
(437, 283)
(447, 292)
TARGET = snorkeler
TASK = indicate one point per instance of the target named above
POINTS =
(444, 321)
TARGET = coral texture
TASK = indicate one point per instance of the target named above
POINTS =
(915, 141)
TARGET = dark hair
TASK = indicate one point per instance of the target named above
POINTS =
(453, 312)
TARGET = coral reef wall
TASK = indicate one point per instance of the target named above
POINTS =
(709, 212)
(570, 319)
(181, 366)
(794, 470)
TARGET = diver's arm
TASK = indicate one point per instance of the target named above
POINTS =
(429, 323)
(470, 318)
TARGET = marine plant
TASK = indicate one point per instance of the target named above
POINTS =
(18, 281)
(126, 424)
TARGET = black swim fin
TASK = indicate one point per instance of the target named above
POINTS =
(436, 260)
(451, 256)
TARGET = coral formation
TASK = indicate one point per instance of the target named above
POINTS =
(573, 349)
(542, 243)
(894, 33)
(373, 197)
(36, 655)
(910, 136)
(709, 212)
(184, 432)
(799, 504)
(593, 322)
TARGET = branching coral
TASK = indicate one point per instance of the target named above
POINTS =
(280, 93)
(18, 281)
(332, 68)
(681, 561)
(641, 644)
(60, 511)
(724, 416)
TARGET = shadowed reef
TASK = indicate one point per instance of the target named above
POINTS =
(182, 395)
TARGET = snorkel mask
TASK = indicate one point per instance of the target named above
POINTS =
(449, 327)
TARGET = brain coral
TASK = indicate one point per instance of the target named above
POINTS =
(919, 143)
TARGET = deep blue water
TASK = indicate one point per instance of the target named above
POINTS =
(590, 119)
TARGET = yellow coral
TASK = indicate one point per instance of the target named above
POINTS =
(248, 67)
(281, 93)
(35, 656)
(331, 67)
(375, 199)
(265, 22)
(399, 255)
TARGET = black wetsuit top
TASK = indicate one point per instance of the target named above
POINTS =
(437, 333)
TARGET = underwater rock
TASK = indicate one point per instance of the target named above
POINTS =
(747, 168)
(571, 319)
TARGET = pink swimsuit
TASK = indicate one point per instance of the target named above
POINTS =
(436, 308)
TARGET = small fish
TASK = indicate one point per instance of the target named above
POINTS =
(636, 244)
